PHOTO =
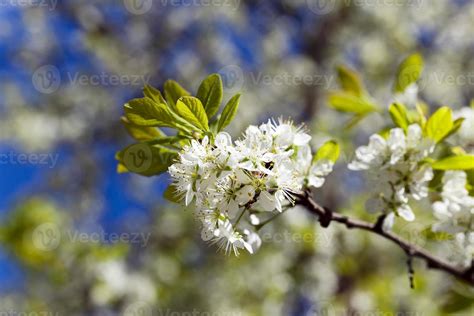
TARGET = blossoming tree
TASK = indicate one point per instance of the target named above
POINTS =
(237, 186)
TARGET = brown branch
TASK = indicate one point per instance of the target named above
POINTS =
(326, 216)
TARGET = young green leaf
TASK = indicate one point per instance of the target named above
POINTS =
(330, 150)
(385, 132)
(464, 162)
(346, 102)
(409, 72)
(439, 124)
(354, 120)
(458, 151)
(456, 126)
(398, 112)
(229, 112)
(156, 96)
(162, 159)
(470, 181)
(192, 110)
(210, 93)
(170, 139)
(141, 133)
(174, 91)
(121, 168)
(214, 124)
(429, 234)
(421, 109)
(153, 94)
(146, 112)
(350, 81)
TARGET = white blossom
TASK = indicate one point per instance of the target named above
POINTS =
(455, 215)
(396, 170)
(230, 182)
(463, 252)
(455, 212)
(465, 135)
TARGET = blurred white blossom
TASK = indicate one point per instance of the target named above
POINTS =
(465, 135)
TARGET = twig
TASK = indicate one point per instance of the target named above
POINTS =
(270, 219)
(326, 216)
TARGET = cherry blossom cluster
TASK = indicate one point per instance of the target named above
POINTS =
(455, 215)
(231, 184)
(397, 171)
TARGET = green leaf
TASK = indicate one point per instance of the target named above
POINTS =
(439, 124)
(353, 121)
(174, 91)
(456, 126)
(421, 109)
(464, 162)
(330, 150)
(409, 72)
(214, 124)
(121, 168)
(170, 194)
(166, 140)
(156, 96)
(350, 81)
(458, 150)
(210, 93)
(192, 110)
(385, 132)
(398, 112)
(153, 94)
(141, 133)
(470, 181)
(146, 112)
(346, 102)
(229, 112)
(146, 159)
(435, 236)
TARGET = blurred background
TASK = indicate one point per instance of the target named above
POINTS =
(76, 238)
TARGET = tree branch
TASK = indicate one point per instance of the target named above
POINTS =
(326, 216)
